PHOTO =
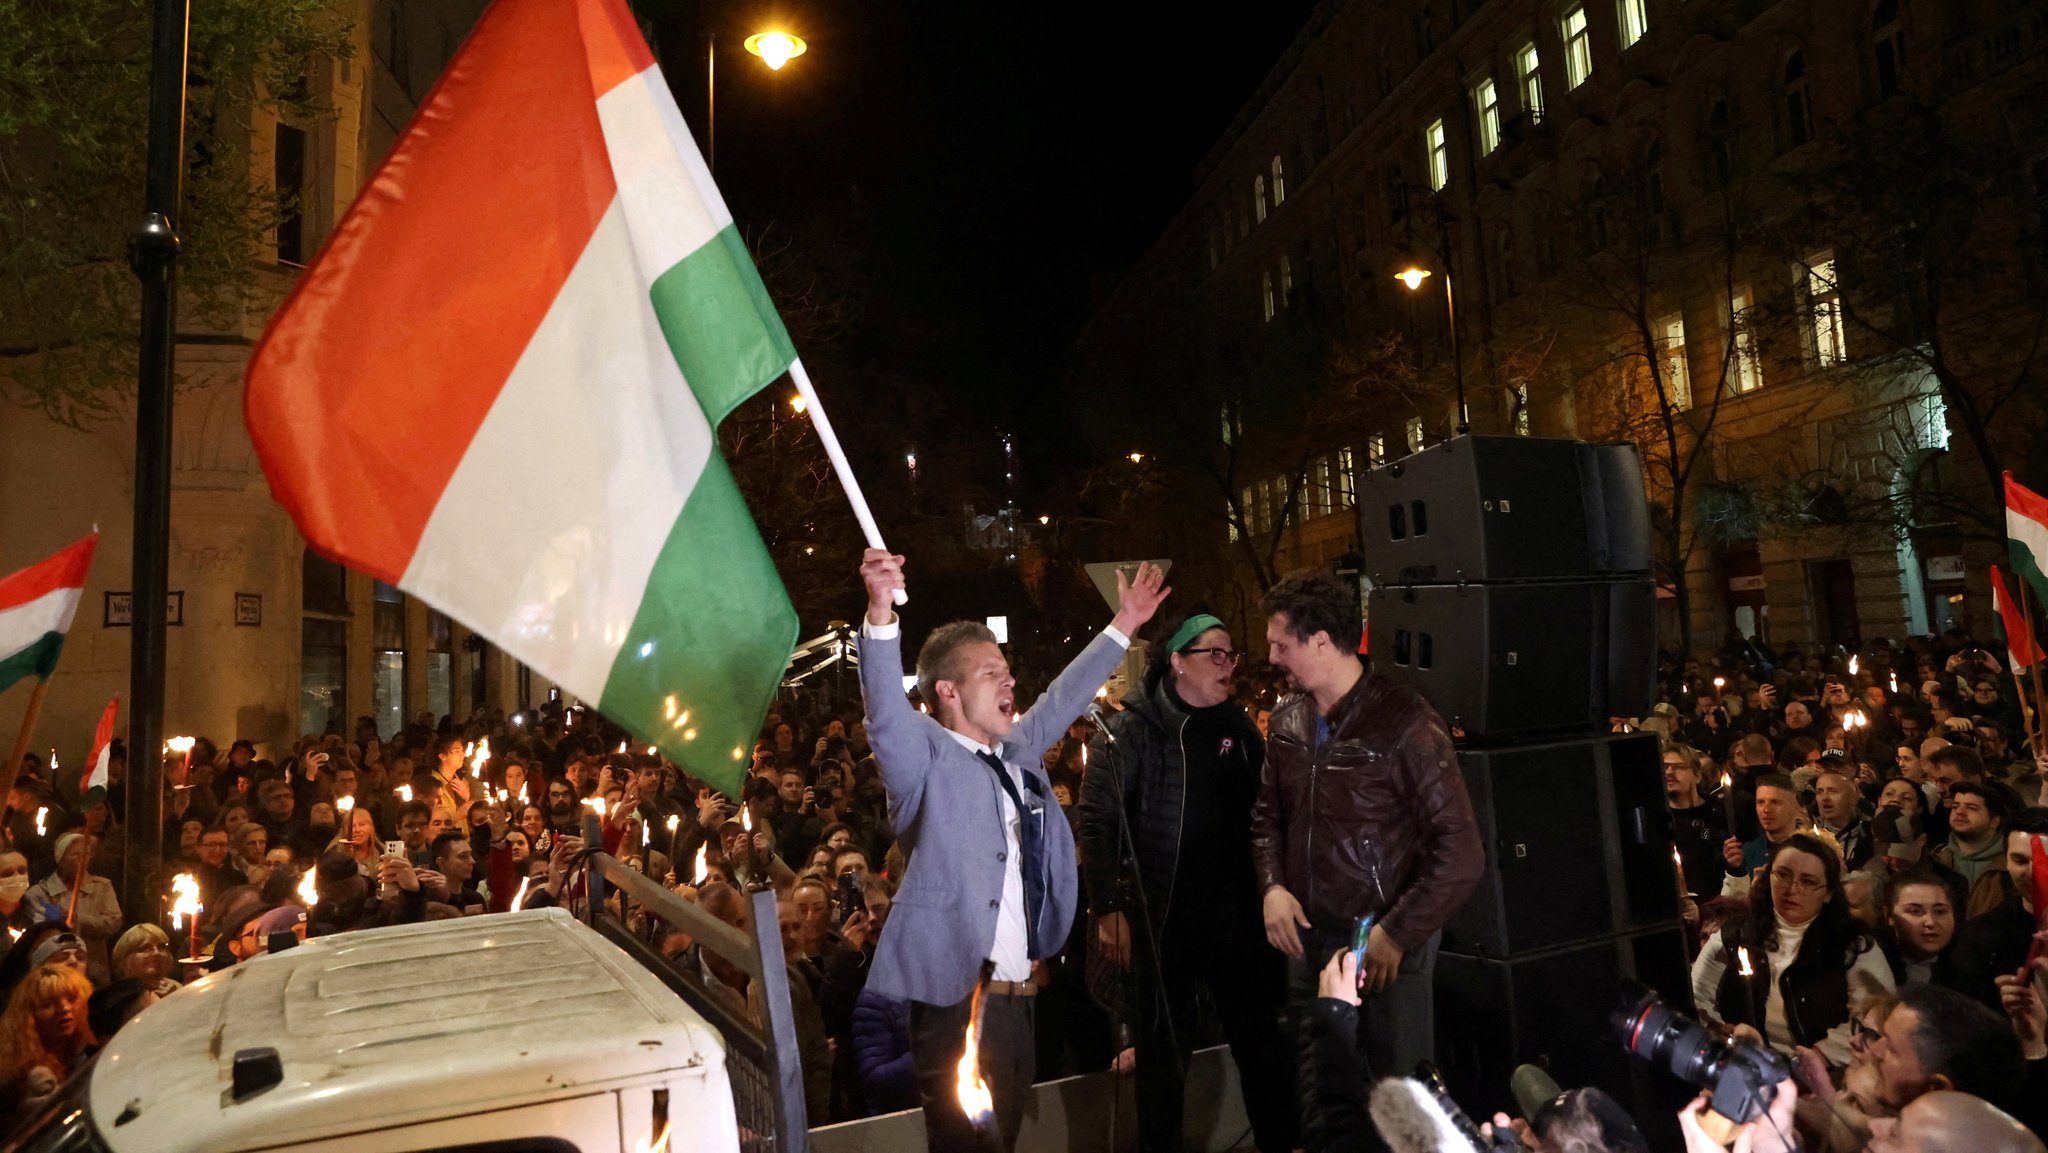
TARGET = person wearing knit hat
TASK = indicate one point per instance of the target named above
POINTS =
(97, 915)
(1176, 772)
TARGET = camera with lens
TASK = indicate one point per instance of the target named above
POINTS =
(1740, 1076)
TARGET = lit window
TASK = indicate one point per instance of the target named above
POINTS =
(1798, 108)
(1934, 420)
(1521, 410)
(1412, 432)
(1286, 279)
(1889, 45)
(1437, 145)
(1824, 310)
(1527, 72)
(1259, 198)
(1677, 380)
(1578, 47)
(1279, 182)
(1248, 510)
(1376, 450)
(1635, 20)
(1347, 473)
(1748, 374)
(1266, 294)
(1486, 102)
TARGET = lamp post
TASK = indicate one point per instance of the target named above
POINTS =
(774, 48)
(1413, 276)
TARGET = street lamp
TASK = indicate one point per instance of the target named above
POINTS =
(798, 404)
(1412, 275)
(774, 48)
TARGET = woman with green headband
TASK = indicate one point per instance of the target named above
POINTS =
(1176, 904)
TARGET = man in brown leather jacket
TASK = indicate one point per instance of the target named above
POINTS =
(1361, 811)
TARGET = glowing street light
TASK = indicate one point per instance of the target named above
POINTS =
(798, 404)
(1412, 277)
(776, 48)
(1413, 274)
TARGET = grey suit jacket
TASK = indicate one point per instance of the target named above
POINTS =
(945, 805)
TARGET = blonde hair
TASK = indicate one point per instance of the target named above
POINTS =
(133, 940)
(21, 1045)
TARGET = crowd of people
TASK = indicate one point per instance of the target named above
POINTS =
(1854, 834)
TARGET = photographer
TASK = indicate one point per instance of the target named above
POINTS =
(1813, 966)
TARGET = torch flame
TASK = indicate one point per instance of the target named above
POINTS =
(522, 792)
(42, 815)
(1852, 664)
(184, 899)
(1742, 960)
(480, 755)
(308, 890)
(519, 898)
(181, 744)
(13, 935)
(658, 1142)
(646, 834)
(747, 818)
(622, 746)
(1895, 682)
(595, 805)
(1720, 682)
(344, 804)
(703, 865)
(404, 793)
(674, 822)
(1727, 782)
(969, 1089)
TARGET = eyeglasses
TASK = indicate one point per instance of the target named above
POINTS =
(1218, 656)
(1862, 1036)
(1798, 881)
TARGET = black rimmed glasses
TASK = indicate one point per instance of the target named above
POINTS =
(1226, 657)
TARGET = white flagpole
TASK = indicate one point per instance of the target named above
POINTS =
(815, 409)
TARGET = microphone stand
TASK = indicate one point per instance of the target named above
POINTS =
(1124, 838)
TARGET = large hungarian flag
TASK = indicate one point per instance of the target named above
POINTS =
(36, 607)
(2021, 648)
(2026, 530)
(499, 385)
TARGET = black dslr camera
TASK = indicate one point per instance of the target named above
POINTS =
(1742, 1077)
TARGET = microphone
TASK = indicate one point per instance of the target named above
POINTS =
(1412, 1118)
(1101, 720)
(1536, 1095)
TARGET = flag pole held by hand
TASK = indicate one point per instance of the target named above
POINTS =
(823, 424)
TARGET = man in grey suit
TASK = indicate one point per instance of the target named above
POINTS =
(992, 874)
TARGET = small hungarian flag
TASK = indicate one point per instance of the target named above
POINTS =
(499, 386)
(92, 788)
(2026, 530)
(36, 607)
(2021, 647)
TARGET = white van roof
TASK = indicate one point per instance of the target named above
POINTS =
(385, 1027)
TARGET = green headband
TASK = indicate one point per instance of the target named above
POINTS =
(1193, 627)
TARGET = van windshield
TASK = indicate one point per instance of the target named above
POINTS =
(65, 1124)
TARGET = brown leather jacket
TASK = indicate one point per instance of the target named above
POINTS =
(1375, 821)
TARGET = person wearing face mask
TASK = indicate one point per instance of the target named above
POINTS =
(1179, 766)
(16, 912)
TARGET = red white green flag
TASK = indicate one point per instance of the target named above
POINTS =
(36, 607)
(2026, 531)
(93, 786)
(2022, 649)
(499, 386)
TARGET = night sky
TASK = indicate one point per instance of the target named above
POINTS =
(972, 178)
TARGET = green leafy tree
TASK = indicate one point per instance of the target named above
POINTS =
(74, 108)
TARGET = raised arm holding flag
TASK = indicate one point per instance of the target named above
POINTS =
(37, 605)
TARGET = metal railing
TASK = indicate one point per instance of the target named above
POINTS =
(761, 1058)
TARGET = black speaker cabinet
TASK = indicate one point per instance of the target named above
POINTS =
(1578, 845)
(1520, 659)
(1505, 508)
(1553, 1010)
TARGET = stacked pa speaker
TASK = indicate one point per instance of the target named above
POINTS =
(1511, 587)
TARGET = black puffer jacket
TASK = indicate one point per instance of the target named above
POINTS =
(1148, 752)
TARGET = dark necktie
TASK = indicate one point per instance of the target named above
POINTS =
(1030, 826)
